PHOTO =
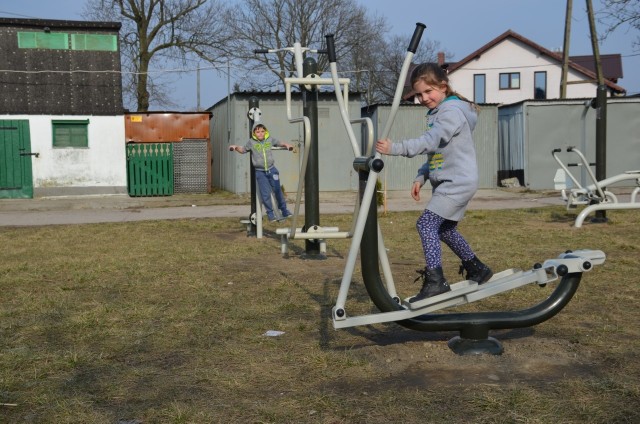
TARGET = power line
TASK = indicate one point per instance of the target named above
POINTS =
(86, 71)
(18, 14)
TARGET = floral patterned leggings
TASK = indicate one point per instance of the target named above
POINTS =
(432, 228)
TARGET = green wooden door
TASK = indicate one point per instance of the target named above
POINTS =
(150, 169)
(16, 178)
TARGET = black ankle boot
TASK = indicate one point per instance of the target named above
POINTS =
(476, 270)
(433, 283)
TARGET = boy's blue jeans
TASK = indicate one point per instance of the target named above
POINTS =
(267, 181)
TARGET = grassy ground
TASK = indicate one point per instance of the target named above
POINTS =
(165, 322)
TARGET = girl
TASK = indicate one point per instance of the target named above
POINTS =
(452, 172)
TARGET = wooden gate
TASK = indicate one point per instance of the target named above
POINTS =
(150, 169)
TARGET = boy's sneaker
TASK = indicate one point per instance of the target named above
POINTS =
(272, 218)
(286, 214)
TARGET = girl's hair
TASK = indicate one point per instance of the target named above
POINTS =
(432, 73)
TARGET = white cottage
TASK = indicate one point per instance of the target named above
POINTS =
(511, 68)
(61, 112)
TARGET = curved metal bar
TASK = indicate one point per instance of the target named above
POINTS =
(475, 324)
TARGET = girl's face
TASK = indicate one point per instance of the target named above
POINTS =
(430, 95)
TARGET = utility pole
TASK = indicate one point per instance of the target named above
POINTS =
(198, 86)
(565, 50)
(601, 111)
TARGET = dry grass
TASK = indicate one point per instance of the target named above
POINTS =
(164, 322)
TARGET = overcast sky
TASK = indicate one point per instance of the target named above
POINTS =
(460, 26)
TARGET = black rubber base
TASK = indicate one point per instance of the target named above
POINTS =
(313, 256)
(599, 220)
(462, 346)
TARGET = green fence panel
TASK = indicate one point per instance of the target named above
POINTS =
(150, 169)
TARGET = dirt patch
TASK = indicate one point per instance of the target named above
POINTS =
(423, 359)
(431, 363)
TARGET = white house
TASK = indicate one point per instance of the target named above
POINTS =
(61, 113)
(512, 68)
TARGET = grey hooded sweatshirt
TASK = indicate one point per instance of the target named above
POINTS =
(262, 157)
(453, 171)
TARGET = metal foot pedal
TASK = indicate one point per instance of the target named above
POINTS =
(457, 290)
(502, 274)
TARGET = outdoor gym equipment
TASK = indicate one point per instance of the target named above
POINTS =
(595, 196)
(312, 230)
(473, 327)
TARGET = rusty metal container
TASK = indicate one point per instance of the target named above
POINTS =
(166, 127)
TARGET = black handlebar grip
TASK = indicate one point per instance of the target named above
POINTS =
(376, 164)
(556, 150)
(331, 48)
(417, 35)
(258, 51)
(570, 149)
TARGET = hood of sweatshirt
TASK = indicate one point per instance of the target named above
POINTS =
(266, 131)
(467, 109)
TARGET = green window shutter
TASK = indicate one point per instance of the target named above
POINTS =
(94, 42)
(70, 133)
(43, 40)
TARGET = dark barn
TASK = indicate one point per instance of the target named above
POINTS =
(60, 67)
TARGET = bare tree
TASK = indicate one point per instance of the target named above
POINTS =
(389, 58)
(364, 53)
(161, 31)
(620, 13)
(276, 24)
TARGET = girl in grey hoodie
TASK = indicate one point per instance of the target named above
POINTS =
(452, 171)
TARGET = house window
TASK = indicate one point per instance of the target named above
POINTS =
(479, 88)
(70, 133)
(43, 40)
(60, 41)
(95, 42)
(510, 81)
(540, 85)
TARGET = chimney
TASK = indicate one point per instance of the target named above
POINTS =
(440, 58)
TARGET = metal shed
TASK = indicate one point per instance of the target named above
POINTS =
(531, 129)
(230, 125)
(167, 153)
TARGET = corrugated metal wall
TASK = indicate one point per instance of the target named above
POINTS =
(512, 137)
(530, 130)
(486, 138)
(161, 127)
(410, 122)
(231, 170)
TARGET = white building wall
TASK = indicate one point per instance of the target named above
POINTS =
(501, 59)
(102, 164)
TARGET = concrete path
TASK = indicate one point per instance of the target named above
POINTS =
(62, 210)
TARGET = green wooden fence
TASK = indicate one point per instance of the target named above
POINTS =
(150, 169)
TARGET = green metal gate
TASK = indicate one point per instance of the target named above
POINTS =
(150, 169)
(16, 178)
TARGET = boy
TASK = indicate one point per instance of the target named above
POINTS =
(267, 175)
